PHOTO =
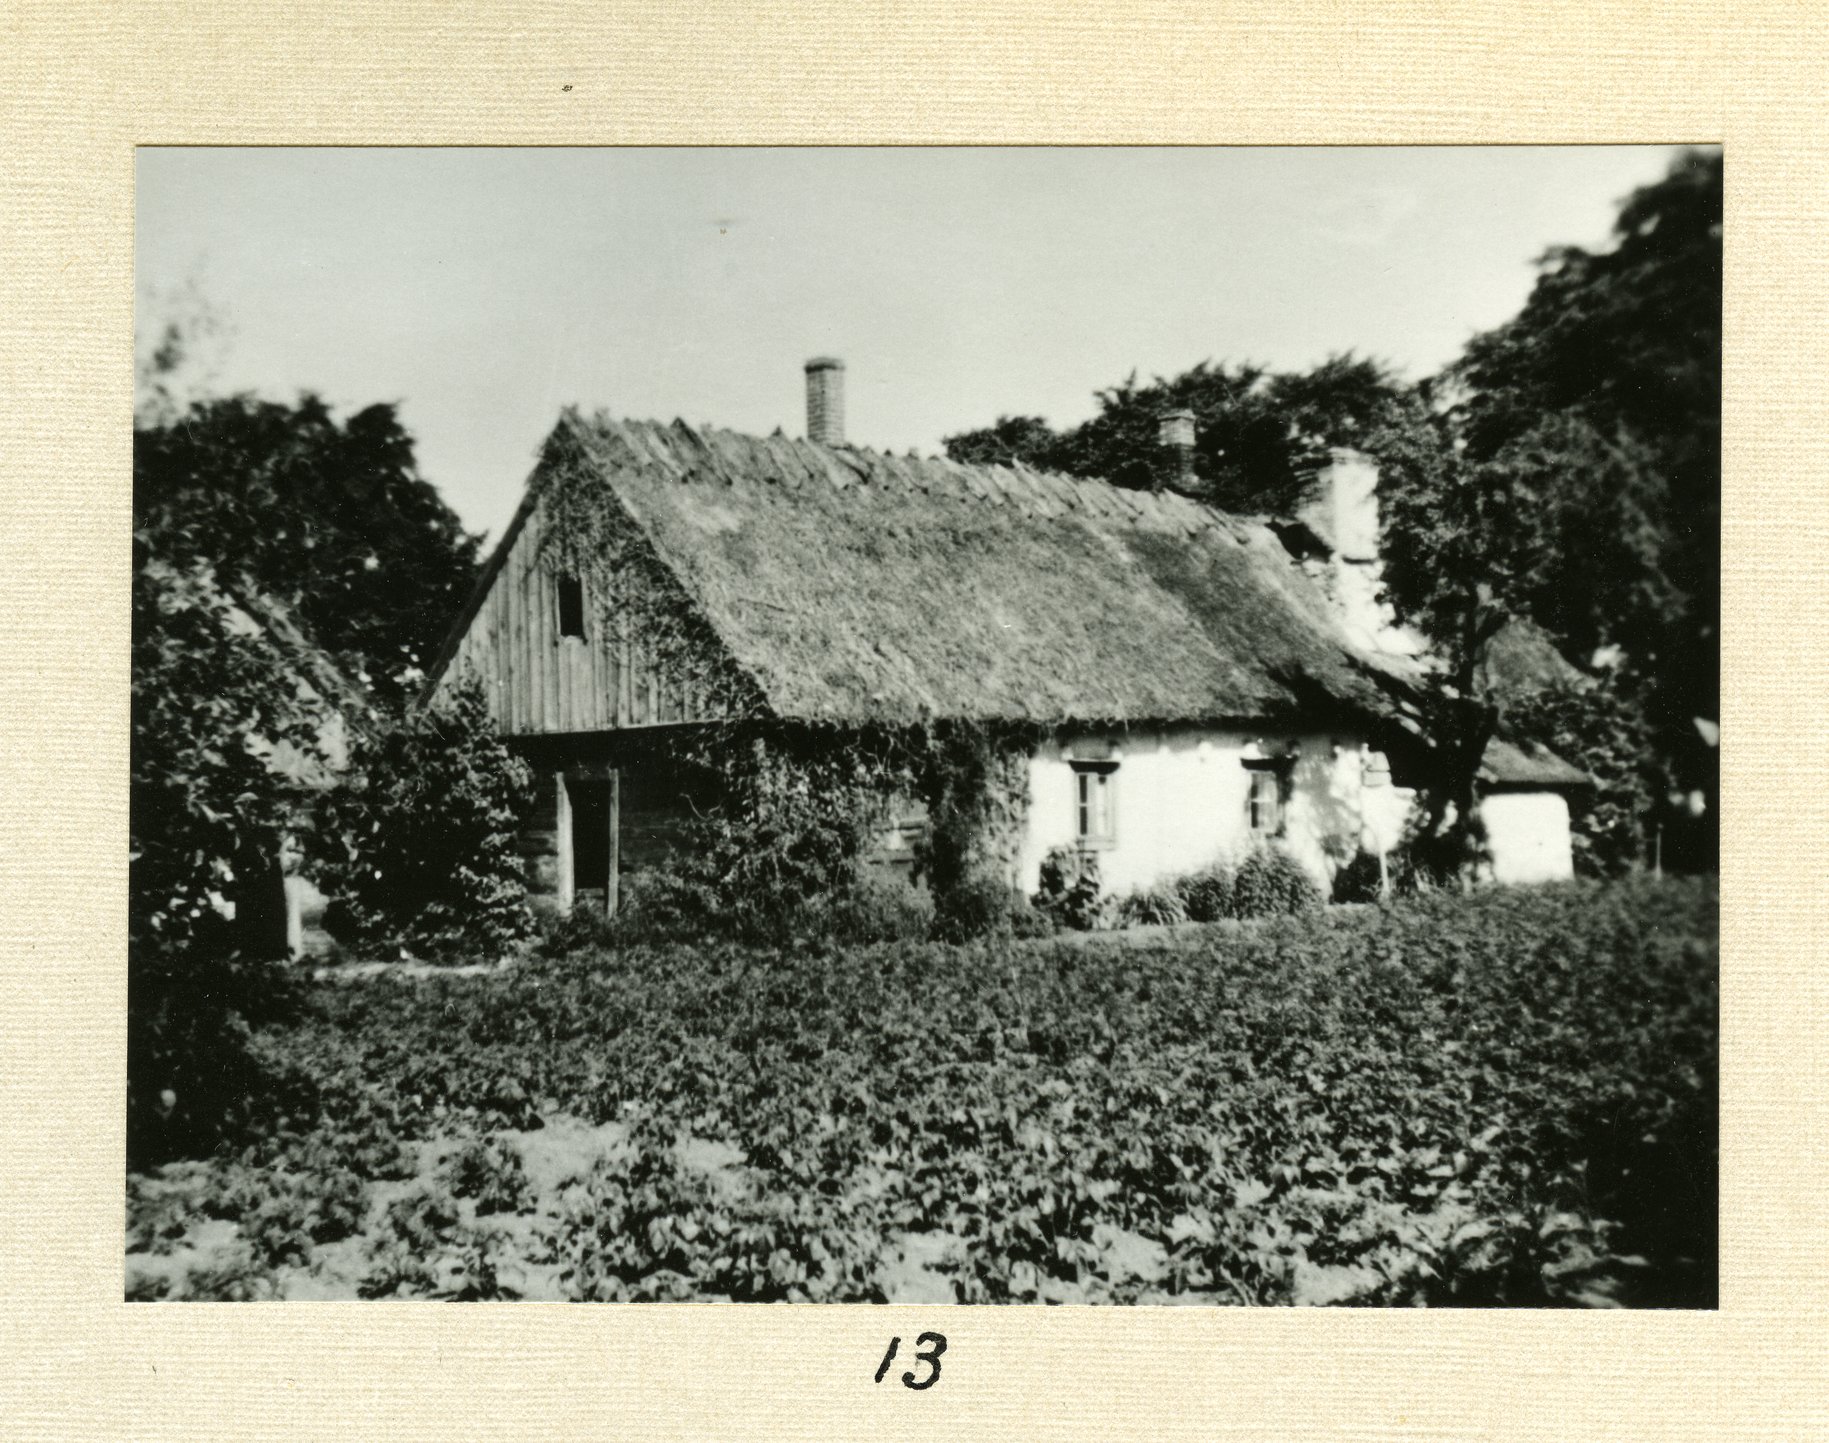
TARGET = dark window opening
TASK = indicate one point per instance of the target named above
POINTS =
(571, 607)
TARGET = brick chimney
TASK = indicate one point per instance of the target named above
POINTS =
(826, 401)
(1177, 437)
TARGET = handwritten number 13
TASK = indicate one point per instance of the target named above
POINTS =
(928, 1348)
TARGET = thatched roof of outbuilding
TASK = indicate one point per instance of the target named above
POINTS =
(854, 586)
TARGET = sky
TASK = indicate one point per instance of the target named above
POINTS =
(482, 290)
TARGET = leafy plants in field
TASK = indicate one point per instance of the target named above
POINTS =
(488, 1172)
(1502, 1097)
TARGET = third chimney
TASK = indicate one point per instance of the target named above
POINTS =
(826, 401)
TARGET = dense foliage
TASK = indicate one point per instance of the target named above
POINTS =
(1567, 469)
(1271, 883)
(1500, 1098)
(1621, 348)
(1604, 733)
(421, 844)
(208, 814)
(1258, 434)
(974, 781)
(267, 538)
(787, 822)
(329, 517)
(1070, 891)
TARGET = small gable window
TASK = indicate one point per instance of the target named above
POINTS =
(1095, 793)
(1267, 797)
(571, 607)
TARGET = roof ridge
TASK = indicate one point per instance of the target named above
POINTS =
(682, 448)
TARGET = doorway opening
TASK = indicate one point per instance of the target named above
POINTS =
(593, 842)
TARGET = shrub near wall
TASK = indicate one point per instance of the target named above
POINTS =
(1271, 883)
(420, 848)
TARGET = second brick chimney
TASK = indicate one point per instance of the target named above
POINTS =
(826, 401)
(1176, 434)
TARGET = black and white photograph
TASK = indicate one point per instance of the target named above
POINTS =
(1052, 725)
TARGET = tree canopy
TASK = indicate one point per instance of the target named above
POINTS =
(1611, 377)
(1259, 434)
(329, 517)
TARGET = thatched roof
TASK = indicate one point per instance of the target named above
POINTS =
(339, 707)
(1522, 660)
(853, 586)
(1529, 767)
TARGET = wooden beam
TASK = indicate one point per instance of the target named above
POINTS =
(613, 888)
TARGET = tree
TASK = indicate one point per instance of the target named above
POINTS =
(180, 341)
(1624, 344)
(255, 526)
(1258, 435)
(1600, 729)
(329, 517)
(212, 700)
(1009, 439)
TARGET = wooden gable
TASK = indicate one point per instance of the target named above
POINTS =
(540, 682)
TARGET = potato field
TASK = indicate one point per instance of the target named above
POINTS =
(1507, 1097)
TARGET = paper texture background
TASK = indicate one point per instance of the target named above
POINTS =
(82, 84)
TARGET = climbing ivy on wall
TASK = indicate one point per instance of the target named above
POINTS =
(800, 810)
(974, 778)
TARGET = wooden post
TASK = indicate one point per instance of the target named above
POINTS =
(567, 879)
(612, 889)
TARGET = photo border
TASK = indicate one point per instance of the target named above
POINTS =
(84, 83)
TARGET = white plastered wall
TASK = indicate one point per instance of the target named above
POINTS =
(1527, 835)
(1180, 802)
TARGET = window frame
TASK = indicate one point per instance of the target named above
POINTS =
(1085, 805)
(1278, 770)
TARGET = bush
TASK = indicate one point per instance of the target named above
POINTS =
(580, 929)
(877, 907)
(198, 1074)
(984, 907)
(208, 814)
(424, 856)
(1157, 906)
(1206, 896)
(658, 903)
(1271, 883)
(1360, 880)
(1069, 891)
